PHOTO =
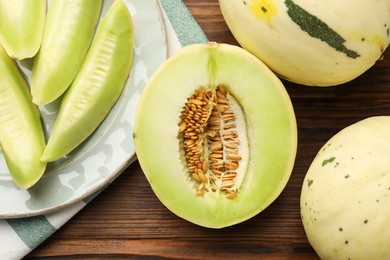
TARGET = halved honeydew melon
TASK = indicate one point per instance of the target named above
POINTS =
(21, 27)
(98, 84)
(69, 28)
(22, 137)
(234, 90)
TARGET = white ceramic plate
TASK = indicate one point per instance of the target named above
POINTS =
(103, 156)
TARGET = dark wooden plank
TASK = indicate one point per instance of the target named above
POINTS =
(131, 221)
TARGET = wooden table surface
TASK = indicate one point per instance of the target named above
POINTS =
(127, 221)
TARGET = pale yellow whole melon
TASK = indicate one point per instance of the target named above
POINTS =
(315, 43)
(345, 199)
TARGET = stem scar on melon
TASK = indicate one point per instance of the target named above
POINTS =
(208, 131)
(263, 9)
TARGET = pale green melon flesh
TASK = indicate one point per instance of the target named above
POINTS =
(269, 112)
(345, 199)
(98, 84)
(69, 29)
(21, 27)
(21, 134)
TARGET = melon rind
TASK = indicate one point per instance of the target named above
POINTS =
(269, 112)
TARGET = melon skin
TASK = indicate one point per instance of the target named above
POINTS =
(269, 112)
(345, 199)
(314, 43)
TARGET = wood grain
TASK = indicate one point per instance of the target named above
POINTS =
(127, 221)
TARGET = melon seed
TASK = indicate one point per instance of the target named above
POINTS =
(210, 141)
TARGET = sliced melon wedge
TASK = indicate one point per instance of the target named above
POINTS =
(22, 138)
(69, 29)
(98, 84)
(244, 129)
(21, 27)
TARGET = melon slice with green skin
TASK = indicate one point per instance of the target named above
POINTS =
(98, 84)
(345, 199)
(215, 134)
(22, 137)
(69, 28)
(21, 27)
(315, 43)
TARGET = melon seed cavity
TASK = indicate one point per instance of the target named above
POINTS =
(209, 134)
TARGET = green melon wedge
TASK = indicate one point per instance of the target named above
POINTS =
(69, 29)
(22, 138)
(21, 27)
(97, 86)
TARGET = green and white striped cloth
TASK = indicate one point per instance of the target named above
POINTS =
(20, 236)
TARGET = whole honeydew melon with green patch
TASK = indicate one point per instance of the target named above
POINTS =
(22, 137)
(215, 134)
(21, 27)
(345, 200)
(69, 28)
(98, 84)
(316, 43)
